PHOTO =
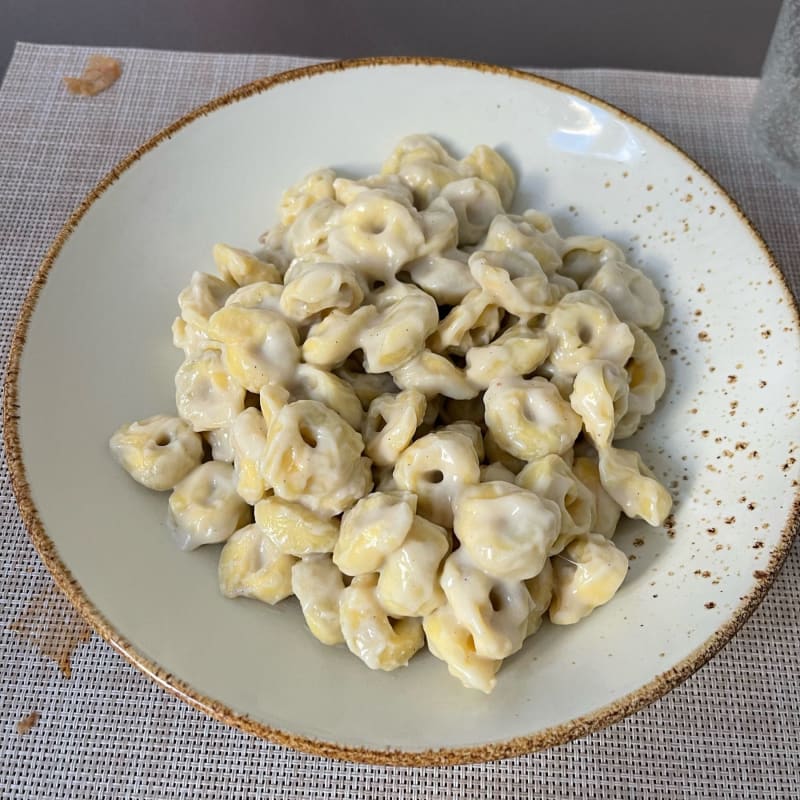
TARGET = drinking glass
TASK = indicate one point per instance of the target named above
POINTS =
(775, 116)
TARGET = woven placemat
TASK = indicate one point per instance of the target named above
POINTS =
(730, 731)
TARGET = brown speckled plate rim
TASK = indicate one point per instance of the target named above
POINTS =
(520, 745)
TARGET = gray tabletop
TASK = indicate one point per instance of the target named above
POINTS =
(715, 37)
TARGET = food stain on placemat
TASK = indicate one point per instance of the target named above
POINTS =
(99, 73)
(26, 724)
(51, 624)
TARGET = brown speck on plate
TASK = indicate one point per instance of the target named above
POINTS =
(710, 604)
(703, 336)
(758, 544)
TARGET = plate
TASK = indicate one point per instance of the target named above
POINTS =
(93, 349)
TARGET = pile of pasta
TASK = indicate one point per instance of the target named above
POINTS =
(404, 410)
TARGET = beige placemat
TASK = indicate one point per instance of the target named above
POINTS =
(730, 731)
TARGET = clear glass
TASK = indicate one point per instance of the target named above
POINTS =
(775, 116)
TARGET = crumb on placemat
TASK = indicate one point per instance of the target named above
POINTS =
(26, 724)
(99, 73)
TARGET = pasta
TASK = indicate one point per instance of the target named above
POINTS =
(403, 409)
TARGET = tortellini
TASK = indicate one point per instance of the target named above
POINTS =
(251, 565)
(507, 530)
(403, 410)
(313, 457)
(158, 451)
(586, 575)
(205, 508)
(529, 418)
(369, 633)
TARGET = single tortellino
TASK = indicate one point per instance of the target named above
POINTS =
(157, 452)
(294, 529)
(376, 235)
(606, 510)
(260, 346)
(332, 340)
(514, 281)
(473, 322)
(318, 585)
(631, 294)
(444, 277)
(437, 468)
(380, 642)
(261, 295)
(399, 332)
(372, 529)
(529, 418)
(433, 375)
(315, 186)
(646, 383)
(518, 351)
(248, 436)
(205, 508)
(250, 565)
(242, 267)
(506, 530)
(439, 225)
(206, 395)
(626, 478)
(314, 287)
(204, 295)
(540, 590)
(425, 167)
(313, 457)
(312, 383)
(585, 576)
(390, 425)
(493, 610)
(582, 328)
(491, 167)
(551, 477)
(367, 386)
(408, 585)
(531, 233)
(453, 643)
(583, 256)
(192, 340)
(600, 397)
(476, 203)
(310, 232)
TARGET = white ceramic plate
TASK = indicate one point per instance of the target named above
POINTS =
(93, 350)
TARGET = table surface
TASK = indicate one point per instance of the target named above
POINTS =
(718, 37)
(731, 730)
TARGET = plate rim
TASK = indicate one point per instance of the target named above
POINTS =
(600, 718)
